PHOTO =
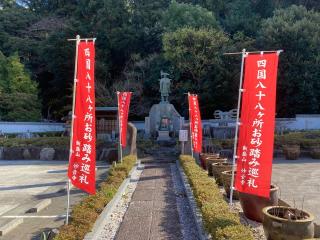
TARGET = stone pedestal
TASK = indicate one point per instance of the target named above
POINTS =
(159, 111)
(163, 136)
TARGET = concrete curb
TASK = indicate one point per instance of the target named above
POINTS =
(202, 234)
(10, 226)
(40, 206)
(104, 216)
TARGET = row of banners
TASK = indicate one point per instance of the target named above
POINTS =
(256, 132)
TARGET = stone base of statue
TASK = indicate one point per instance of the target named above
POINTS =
(163, 135)
(163, 116)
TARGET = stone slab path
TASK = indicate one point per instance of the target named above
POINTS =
(153, 212)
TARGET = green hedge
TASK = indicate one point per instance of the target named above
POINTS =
(85, 213)
(217, 218)
(305, 139)
(39, 142)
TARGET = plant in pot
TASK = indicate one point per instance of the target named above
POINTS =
(226, 180)
(218, 168)
(291, 146)
(288, 223)
(313, 147)
(252, 205)
(204, 156)
(210, 161)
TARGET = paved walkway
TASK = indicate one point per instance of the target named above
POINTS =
(299, 182)
(153, 211)
(26, 183)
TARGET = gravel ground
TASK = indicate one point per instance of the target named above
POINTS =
(111, 228)
(187, 222)
(256, 227)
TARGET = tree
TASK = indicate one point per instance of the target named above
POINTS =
(18, 93)
(194, 52)
(297, 31)
(180, 15)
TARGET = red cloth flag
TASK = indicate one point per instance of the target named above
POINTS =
(82, 160)
(195, 121)
(256, 131)
(123, 112)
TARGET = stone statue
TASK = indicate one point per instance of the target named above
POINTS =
(164, 86)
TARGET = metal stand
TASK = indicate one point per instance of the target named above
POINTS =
(237, 128)
(72, 120)
(120, 147)
(191, 141)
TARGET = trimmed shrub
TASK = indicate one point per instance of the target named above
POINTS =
(85, 213)
(217, 218)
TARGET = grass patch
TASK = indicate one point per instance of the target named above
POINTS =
(85, 213)
(217, 218)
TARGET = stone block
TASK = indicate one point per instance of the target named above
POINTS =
(47, 154)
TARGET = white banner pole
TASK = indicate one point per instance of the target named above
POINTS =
(190, 126)
(72, 120)
(119, 126)
(237, 128)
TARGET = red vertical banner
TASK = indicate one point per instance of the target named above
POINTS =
(256, 131)
(195, 123)
(123, 112)
(82, 160)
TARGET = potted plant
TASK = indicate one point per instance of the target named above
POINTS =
(218, 168)
(211, 160)
(313, 147)
(291, 151)
(252, 205)
(288, 223)
(204, 156)
(226, 180)
(291, 146)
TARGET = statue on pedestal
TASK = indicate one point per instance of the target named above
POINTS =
(165, 83)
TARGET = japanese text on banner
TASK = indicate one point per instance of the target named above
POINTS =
(256, 132)
(82, 159)
(195, 122)
(123, 108)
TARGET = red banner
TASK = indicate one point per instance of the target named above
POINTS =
(123, 111)
(195, 121)
(256, 131)
(82, 160)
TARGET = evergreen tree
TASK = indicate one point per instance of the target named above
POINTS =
(18, 93)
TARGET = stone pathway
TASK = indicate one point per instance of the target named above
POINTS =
(153, 212)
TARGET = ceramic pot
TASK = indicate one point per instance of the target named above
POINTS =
(226, 180)
(218, 168)
(279, 223)
(252, 205)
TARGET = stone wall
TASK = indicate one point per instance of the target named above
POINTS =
(104, 152)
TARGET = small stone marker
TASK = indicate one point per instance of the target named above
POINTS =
(183, 137)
